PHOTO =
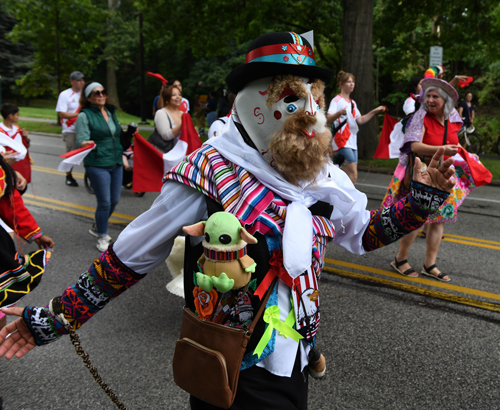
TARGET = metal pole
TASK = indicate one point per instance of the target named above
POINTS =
(0, 90)
(141, 68)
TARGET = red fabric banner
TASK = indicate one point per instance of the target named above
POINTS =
(77, 151)
(189, 134)
(382, 151)
(479, 172)
(148, 166)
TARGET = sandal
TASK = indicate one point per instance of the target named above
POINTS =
(407, 272)
(427, 271)
(422, 234)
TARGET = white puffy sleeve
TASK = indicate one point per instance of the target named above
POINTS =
(147, 241)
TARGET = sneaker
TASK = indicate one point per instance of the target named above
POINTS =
(102, 244)
(70, 181)
(93, 232)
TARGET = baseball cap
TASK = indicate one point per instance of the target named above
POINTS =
(76, 75)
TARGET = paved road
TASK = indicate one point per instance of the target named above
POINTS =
(386, 348)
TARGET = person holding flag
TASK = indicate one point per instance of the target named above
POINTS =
(174, 138)
(346, 118)
(433, 127)
(97, 124)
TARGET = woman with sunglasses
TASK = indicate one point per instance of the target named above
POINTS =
(97, 123)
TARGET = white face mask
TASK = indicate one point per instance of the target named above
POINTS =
(262, 122)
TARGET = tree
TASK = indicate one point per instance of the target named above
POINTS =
(64, 40)
(16, 59)
(357, 58)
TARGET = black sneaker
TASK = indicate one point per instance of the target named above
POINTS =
(70, 181)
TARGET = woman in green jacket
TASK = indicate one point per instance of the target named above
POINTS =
(97, 123)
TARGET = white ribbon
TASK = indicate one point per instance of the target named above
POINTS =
(330, 187)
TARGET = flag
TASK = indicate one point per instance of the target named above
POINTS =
(391, 138)
(74, 157)
(479, 172)
(465, 83)
(158, 76)
(14, 145)
(188, 142)
(150, 165)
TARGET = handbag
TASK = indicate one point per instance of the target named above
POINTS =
(207, 357)
(161, 144)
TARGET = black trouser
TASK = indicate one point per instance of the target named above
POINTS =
(259, 389)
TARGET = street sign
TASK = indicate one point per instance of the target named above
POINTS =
(436, 57)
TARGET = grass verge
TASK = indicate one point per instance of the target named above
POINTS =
(53, 128)
(50, 113)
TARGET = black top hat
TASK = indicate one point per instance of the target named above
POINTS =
(277, 53)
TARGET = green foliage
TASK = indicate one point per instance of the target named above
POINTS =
(488, 128)
(64, 34)
(16, 58)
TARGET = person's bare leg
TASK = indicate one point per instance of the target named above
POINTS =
(404, 250)
(351, 169)
(434, 237)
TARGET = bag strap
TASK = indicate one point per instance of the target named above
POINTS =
(445, 131)
(262, 307)
(336, 129)
(169, 120)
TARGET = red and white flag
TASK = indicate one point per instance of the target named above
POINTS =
(6, 141)
(74, 157)
(391, 138)
(150, 165)
(480, 174)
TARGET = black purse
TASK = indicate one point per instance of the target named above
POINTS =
(159, 143)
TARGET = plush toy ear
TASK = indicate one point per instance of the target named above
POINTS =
(247, 237)
(196, 229)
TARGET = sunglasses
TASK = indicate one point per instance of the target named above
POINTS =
(98, 93)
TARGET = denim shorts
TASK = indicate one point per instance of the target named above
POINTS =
(349, 154)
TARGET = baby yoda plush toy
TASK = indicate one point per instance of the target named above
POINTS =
(225, 262)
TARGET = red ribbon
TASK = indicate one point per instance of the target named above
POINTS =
(278, 270)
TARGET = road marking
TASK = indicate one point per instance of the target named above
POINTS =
(55, 171)
(480, 245)
(469, 198)
(74, 212)
(423, 281)
(77, 206)
(473, 239)
(416, 289)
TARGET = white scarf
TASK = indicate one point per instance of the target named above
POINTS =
(331, 187)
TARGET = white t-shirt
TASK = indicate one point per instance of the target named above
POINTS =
(68, 101)
(409, 106)
(16, 133)
(350, 130)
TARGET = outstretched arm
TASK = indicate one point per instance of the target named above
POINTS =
(429, 191)
(367, 117)
(142, 246)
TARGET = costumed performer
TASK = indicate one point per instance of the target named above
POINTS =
(271, 168)
(434, 126)
(19, 273)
